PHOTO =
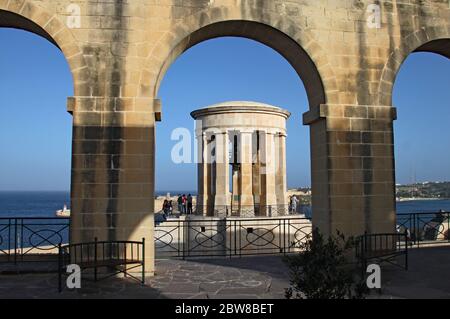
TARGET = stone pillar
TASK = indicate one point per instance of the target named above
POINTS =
(246, 176)
(256, 171)
(268, 196)
(353, 174)
(235, 173)
(281, 177)
(235, 192)
(113, 171)
(210, 176)
(204, 159)
(222, 176)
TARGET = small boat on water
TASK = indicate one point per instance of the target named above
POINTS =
(65, 212)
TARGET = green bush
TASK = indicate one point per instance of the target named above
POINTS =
(324, 269)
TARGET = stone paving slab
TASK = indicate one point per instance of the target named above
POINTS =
(428, 275)
(238, 278)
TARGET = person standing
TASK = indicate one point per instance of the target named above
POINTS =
(165, 209)
(294, 202)
(184, 203)
(180, 204)
(170, 207)
(189, 204)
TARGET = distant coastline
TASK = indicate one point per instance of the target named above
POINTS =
(411, 199)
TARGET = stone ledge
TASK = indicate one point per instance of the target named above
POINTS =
(374, 112)
(113, 104)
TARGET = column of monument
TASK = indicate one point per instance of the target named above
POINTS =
(246, 174)
(268, 200)
(256, 177)
(204, 158)
(222, 175)
(235, 190)
(281, 177)
(210, 176)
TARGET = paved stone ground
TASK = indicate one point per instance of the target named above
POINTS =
(428, 275)
(238, 278)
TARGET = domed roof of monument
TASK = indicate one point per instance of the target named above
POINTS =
(240, 107)
(241, 104)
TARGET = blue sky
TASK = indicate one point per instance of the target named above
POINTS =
(35, 129)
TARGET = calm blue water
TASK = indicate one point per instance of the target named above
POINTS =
(423, 206)
(44, 204)
(31, 233)
(32, 204)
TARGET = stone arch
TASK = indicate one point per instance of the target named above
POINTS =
(433, 39)
(278, 32)
(30, 17)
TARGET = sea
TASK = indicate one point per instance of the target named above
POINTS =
(45, 204)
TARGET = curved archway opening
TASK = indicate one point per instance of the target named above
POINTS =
(35, 128)
(439, 46)
(229, 69)
(422, 146)
(297, 57)
(15, 21)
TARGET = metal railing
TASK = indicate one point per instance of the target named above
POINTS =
(382, 248)
(230, 236)
(230, 210)
(425, 229)
(119, 256)
(30, 239)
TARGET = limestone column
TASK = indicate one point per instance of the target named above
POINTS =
(246, 174)
(202, 172)
(352, 161)
(256, 171)
(235, 171)
(222, 175)
(210, 176)
(281, 177)
(268, 196)
(112, 186)
(235, 192)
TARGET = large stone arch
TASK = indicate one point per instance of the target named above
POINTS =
(432, 39)
(33, 18)
(278, 32)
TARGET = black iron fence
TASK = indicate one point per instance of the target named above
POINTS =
(120, 257)
(425, 229)
(382, 248)
(229, 210)
(30, 239)
(230, 237)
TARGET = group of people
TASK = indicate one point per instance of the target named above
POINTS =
(184, 204)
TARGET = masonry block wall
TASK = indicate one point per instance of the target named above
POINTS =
(118, 52)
